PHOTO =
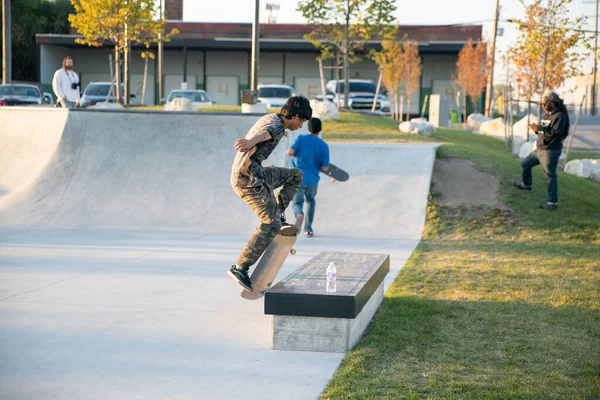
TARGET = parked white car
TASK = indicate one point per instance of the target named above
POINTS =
(199, 98)
(361, 95)
(275, 95)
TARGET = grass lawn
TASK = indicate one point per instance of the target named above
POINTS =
(578, 155)
(493, 304)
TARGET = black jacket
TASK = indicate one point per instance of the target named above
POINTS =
(553, 131)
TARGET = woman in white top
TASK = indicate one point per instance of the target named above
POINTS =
(66, 85)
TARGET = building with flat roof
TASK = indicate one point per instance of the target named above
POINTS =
(216, 57)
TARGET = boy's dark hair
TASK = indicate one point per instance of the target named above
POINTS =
(314, 125)
(297, 105)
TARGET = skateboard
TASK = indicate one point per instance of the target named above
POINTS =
(271, 262)
(337, 173)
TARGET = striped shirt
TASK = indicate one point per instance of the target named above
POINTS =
(247, 167)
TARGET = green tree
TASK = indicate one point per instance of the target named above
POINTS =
(120, 23)
(29, 17)
(343, 27)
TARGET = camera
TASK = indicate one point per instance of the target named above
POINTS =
(75, 85)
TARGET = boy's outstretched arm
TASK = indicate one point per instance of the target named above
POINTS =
(244, 145)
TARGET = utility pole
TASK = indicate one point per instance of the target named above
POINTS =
(594, 96)
(255, 47)
(6, 43)
(490, 82)
(160, 59)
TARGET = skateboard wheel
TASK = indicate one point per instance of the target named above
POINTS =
(293, 251)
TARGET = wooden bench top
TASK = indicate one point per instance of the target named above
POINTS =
(303, 293)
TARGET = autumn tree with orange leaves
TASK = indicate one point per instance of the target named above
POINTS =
(471, 70)
(402, 69)
(389, 60)
(544, 54)
(412, 71)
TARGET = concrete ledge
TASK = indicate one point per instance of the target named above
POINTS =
(308, 318)
(303, 292)
(334, 335)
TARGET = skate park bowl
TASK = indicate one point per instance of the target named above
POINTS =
(116, 232)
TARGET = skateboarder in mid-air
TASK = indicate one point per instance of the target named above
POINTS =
(255, 184)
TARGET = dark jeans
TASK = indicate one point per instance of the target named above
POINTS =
(308, 192)
(548, 159)
(262, 201)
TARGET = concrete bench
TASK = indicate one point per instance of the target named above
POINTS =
(307, 317)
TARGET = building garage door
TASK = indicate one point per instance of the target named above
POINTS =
(308, 87)
(270, 80)
(173, 82)
(225, 90)
(136, 87)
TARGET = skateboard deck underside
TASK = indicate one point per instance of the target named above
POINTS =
(337, 173)
(269, 265)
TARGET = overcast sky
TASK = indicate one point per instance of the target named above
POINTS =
(409, 12)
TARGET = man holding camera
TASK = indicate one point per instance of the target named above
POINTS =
(66, 85)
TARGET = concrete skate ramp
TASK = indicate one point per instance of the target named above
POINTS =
(63, 169)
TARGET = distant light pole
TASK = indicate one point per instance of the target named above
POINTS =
(490, 82)
(594, 97)
(255, 47)
(160, 58)
(6, 43)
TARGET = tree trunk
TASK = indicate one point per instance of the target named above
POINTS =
(528, 118)
(144, 81)
(346, 63)
(117, 76)
(126, 75)
(408, 98)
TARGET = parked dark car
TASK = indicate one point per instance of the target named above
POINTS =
(20, 94)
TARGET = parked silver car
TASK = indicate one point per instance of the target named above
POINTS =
(96, 92)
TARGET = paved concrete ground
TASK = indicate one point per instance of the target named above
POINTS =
(587, 133)
(115, 241)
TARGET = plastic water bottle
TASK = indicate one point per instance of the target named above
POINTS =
(331, 276)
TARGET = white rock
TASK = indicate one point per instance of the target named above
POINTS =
(520, 127)
(586, 168)
(494, 128)
(518, 142)
(474, 121)
(526, 149)
(179, 104)
(417, 128)
(324, 110)
(108, 105)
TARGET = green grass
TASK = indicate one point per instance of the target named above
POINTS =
(493, 304)
(578, 155)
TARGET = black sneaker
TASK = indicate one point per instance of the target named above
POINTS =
(549, 206)
(520, 185)
(308, 234)
(241, 277)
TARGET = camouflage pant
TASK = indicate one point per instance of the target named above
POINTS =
(261, 200)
